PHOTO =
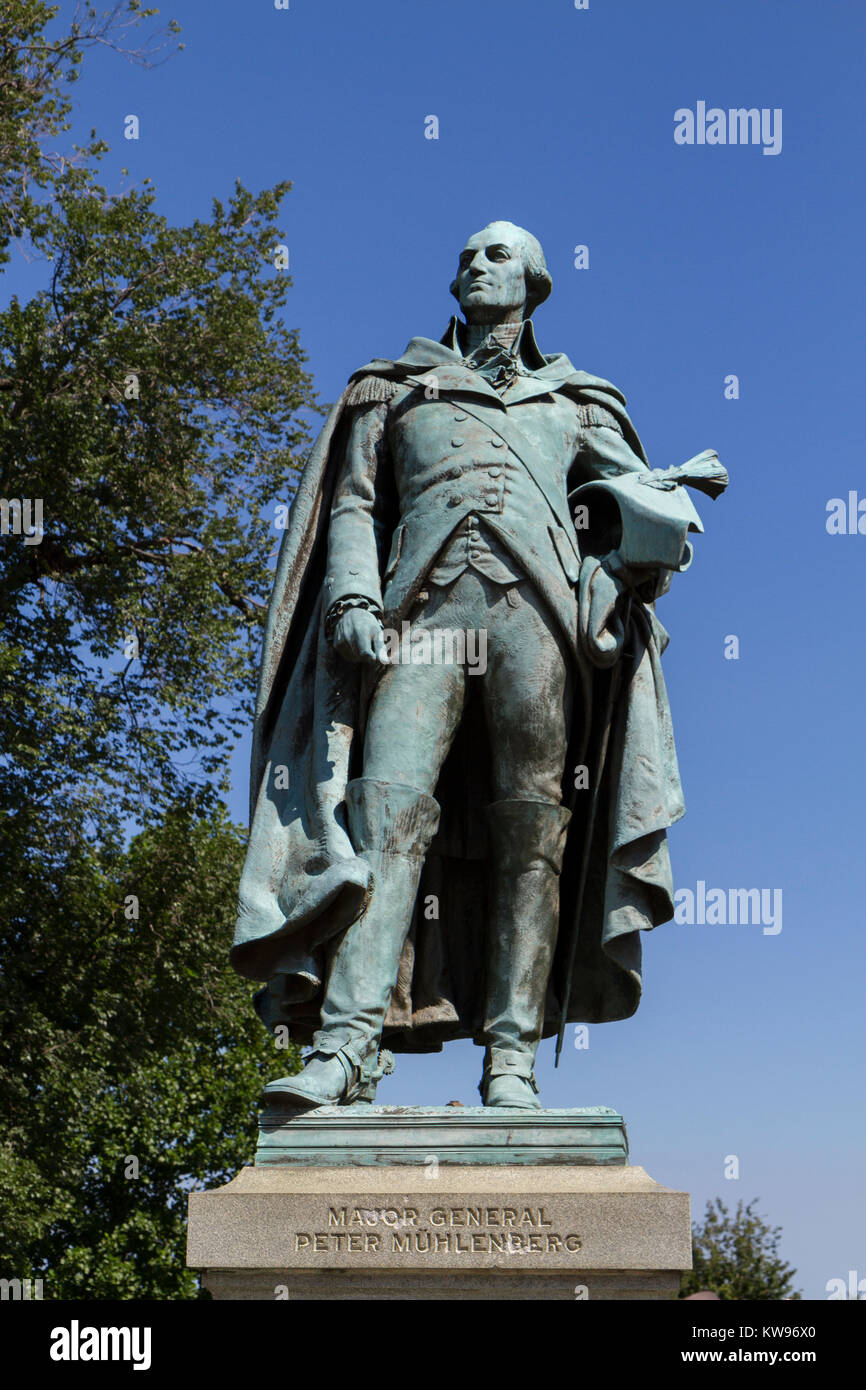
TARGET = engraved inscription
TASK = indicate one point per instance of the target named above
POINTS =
(472, 1230)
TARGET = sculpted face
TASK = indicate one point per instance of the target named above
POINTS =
(491, 276)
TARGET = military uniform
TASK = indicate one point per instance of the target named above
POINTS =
(478, 458)
(456, 476)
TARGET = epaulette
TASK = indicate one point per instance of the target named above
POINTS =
(368, 390)
(591, 414)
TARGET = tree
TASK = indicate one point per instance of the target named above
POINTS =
(152, 399)
(36, 72)
(736, 1256)
(130, 1056)
(149, 400)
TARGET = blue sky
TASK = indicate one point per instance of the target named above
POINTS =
(705, 261)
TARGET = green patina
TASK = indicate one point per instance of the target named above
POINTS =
(464, 846)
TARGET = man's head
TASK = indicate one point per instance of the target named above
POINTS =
(502, 275)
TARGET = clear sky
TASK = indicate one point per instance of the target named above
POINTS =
(705, 261)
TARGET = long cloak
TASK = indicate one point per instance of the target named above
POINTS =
(302, 882)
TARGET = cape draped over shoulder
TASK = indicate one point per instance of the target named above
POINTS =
(302, 882)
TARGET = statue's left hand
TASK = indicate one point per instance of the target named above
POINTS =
(601, 585)
(645, 582)
(614, 565)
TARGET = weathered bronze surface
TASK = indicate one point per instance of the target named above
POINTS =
(430, 1136)
(464, 766)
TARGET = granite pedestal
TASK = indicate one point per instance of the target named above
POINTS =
(389, 1202)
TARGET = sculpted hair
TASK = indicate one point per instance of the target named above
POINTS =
(538, 279)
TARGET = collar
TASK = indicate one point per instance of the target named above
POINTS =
(424, 355)
(525, 347)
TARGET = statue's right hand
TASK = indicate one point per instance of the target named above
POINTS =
(358, 637)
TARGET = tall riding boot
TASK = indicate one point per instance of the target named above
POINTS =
(527, 844)
(391, 826)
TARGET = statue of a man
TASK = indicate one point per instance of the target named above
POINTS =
(420, 813)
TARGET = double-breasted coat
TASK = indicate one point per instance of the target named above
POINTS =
(414, 446)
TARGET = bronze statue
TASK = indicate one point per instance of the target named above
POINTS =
(463, 765)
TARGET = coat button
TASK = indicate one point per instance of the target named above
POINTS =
(498, 443)
(456, 443)
(461, 417)
(491, 499)
(455, 500)
(455, 472)
(494, 472)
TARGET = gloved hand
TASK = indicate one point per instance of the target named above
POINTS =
(602, 581)
(358, 637)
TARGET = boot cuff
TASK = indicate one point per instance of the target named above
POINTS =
(390, 817)
(528, 831)
(501, 1062)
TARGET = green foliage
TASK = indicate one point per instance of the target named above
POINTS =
(124, 1037)
(153, 398)
(35, 73)
(146, 396)
(736, 1256)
